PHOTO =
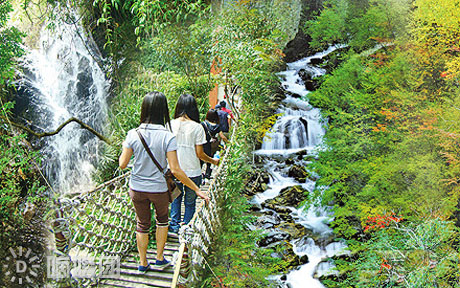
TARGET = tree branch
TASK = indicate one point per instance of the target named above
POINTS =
(45, 134)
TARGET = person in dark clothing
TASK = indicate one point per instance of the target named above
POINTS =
(224, 118)
(212, 129)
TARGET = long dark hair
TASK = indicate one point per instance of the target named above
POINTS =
(155, 109)
(186, 105)
(212, 116)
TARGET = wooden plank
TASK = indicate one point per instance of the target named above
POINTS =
(178, 266)
(136, 280)
(135, 256)
(165, 274)
(132, 284)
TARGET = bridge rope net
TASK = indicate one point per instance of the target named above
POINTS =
(101, 224)
(92, 226)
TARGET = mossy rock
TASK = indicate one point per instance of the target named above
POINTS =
(300, 174)
(290, 196)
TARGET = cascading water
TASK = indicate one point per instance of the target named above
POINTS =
(295, 134)
(61, 80)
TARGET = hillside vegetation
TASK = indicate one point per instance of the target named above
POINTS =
(391, 154)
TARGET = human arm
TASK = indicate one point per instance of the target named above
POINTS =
(125, 157)
(222, 136)
(203, 156)
(177, 171)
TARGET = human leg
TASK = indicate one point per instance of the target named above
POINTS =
(161, 203)
(190, 200)
(143, 215)
(142, 244)
(176, 210)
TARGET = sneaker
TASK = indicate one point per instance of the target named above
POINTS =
(162, 264)
(143, 269)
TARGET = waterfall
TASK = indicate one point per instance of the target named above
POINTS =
(61, 79)
(299, 131)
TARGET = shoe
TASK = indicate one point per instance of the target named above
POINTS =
(162, 264)
(143, 269)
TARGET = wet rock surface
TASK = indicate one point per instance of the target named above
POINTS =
(299, 173)
(287, 254)
(290, 196)
(257, 182)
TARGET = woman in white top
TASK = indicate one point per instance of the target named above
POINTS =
(190, 137)
(147, 184)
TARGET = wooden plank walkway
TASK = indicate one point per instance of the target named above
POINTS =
(130, 276)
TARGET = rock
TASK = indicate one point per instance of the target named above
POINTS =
(268, 221)
(311, 85)
(257, 182)
(304, 75)
(294, 230)
(333, 59)
(316, 61)
(290, 196)
(283, 212)
(299, 173)
(298, 47)
(273, 237)
(283, 278)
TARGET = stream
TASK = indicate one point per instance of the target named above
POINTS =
(290, 145)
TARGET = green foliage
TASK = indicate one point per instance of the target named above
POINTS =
(19, 179)
(235, 260)
(146, 17)
(330, 26)
(181, 48)
(391, 144)
(9, 45)
(409, 254)
(360, 26)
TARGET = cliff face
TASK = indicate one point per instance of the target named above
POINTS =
(288, 14)
(298, 46)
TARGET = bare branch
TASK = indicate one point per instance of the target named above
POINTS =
(45, 134)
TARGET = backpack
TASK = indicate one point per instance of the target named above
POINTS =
(223, 120)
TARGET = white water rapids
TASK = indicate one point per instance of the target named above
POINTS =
(299, 128)
(61, 79)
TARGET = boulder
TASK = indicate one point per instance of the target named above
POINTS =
(311, 85)
(295, 230)
(316, 61)
(290, 196)
(283, 211)
(299, 173)
(268, 221)
(273, 236)
(257, 182)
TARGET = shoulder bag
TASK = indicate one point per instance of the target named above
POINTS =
(173, 190)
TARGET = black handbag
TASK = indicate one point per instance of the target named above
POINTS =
(173, 190)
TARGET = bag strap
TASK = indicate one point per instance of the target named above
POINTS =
(149, 151)
(206, 130)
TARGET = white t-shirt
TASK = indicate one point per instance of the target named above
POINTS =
(188, 134)
(145, 176)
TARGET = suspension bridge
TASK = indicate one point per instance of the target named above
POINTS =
(100, 224)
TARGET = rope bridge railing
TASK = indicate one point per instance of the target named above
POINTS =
(93, 227)
(196, 236)
(100, 224)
